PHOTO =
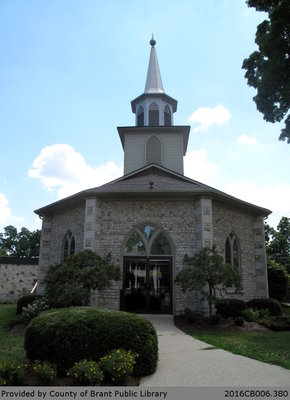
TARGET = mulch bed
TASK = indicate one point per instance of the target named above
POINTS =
(223, 325)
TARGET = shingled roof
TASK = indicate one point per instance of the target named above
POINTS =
(152, 181)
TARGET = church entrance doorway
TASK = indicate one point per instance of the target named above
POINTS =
(147, 285)
(147, 272)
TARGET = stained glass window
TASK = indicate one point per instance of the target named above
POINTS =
(160, 245)
(148, 240)
(135, 245)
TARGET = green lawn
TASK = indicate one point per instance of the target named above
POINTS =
(11, 344)
(270, 347)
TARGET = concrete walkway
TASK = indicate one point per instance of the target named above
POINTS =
(184, 361)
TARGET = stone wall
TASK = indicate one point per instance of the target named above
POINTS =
(105, 224)
(16, 277)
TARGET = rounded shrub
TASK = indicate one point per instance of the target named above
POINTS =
(272, 305)
(230, 308)
(68, 335)
(25, 300)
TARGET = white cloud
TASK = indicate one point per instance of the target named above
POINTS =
(206, 117)
(275, 198)
(5, 210)
(197, 166)
(61, 167)
(244, 139)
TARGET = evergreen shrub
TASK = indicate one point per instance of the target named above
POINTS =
(68, 335)
(272, 305)
(230, 308)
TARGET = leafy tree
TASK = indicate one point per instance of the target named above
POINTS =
(278, 259)
(70, 282)
(19, 244)
(277, 280)
(268, 70)
(206, 271)
(278, 242)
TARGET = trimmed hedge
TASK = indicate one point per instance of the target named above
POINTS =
(230, 308)
(25, 300)
(272, 305)
(68, 335)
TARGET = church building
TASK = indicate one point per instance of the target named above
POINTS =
(153, 218)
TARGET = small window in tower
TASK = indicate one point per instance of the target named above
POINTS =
(154, 115)
(153, 150)
(167, 116)
(140, 116)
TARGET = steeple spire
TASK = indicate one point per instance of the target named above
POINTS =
(153, 81)
(154, 107)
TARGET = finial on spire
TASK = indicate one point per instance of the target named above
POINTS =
(152, 41)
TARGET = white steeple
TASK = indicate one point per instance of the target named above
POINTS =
(153, 81)
(154, 107)
(154, 139)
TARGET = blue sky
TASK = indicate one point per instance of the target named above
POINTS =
(69, 69)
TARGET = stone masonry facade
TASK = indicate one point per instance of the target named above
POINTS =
(250, 233)
(104, 224)
(54, 229)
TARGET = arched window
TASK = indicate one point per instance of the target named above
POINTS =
(148, 240)
(68, 245)
(167, 116)
(153, 150)
(232, 250)
(154, 114)
(140, 116)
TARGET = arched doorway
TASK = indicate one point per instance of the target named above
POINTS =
(147, 272)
